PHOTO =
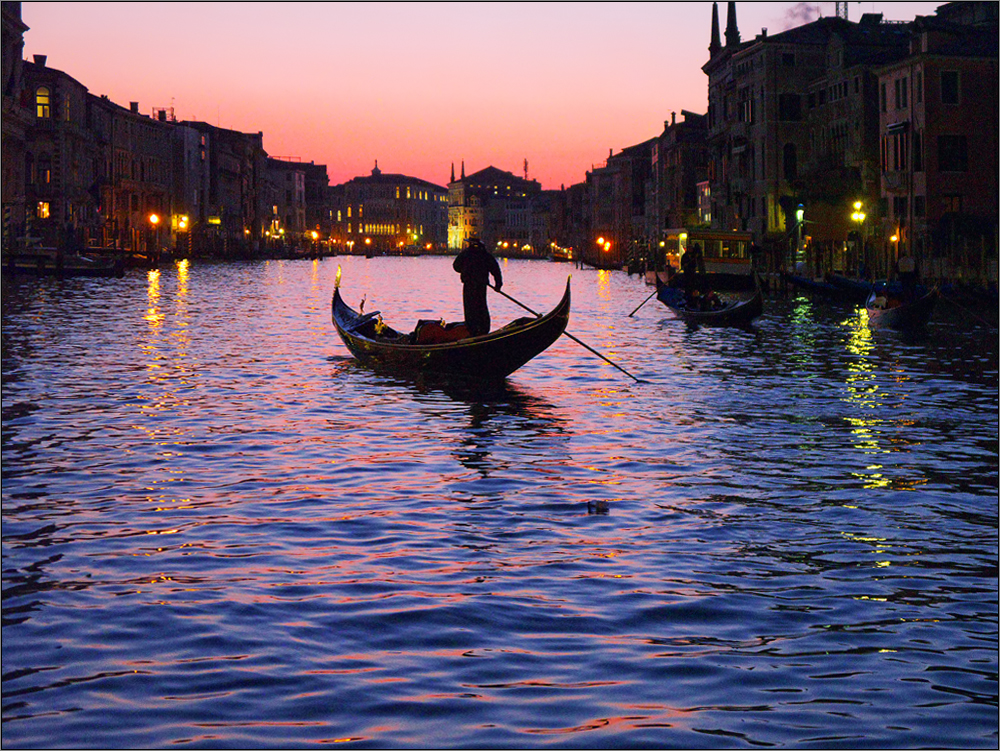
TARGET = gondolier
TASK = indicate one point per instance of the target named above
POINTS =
(476, 264)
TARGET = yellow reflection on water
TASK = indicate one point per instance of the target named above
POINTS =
(863, 399)
(153, 315)
(604, 284)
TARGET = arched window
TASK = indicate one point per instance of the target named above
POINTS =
(42, 101)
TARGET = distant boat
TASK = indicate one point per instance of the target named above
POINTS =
(739, 312)
(887, 309)
(41, 261)
(488, 357)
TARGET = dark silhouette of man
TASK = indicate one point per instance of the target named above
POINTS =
(475, 264)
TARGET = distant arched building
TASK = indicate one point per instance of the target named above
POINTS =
(391, 214)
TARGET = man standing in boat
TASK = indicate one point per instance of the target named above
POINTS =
(476, 264)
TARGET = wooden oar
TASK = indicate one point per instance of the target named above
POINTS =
(643, 303)
(962, 308)
(582, 344)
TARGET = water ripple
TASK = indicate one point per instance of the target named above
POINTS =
(220, 530)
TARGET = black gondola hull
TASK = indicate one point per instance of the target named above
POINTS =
(908, 316)
(741, 313)
(490, 357)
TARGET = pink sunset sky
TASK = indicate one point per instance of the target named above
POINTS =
(417, 86)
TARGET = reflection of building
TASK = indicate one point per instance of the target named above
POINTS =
(390, 213)
(506, 212)
(938, 127)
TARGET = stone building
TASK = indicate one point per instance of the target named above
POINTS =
(62, 159)
(15, 121)
(616, 199)
(791, 122)
(506, 212)
(679, 164)
(236, 215)
(285, 197)
(937, 126)
(384, 214)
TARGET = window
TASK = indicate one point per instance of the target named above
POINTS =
(44, 169)
(744, 107)
(42, 101)
(919, 206)
(918, 87)
(951, 204)
(949, 87)
(790, 161)
(789, 107)
(918, 152)
(42, 210)
(953, 155)
(883, 103)
(899, 206)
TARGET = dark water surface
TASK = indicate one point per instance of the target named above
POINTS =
(219, 530)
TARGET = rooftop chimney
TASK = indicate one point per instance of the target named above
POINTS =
(134, 106)
(40, 60)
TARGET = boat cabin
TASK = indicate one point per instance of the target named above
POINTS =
(724, 252)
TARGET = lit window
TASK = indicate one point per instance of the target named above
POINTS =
(42, 100)
(43, 210)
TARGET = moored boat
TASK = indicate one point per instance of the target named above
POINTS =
(887, 309)
(40, 261)
(488, 357)
(733, 312)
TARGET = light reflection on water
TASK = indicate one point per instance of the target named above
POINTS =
(219, 529)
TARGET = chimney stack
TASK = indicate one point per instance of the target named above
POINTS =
(134, 106)
(40, 60)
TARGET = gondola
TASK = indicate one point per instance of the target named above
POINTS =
(732, 313)
(886, 310)
(489, 357)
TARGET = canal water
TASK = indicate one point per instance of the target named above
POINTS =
(219, 530)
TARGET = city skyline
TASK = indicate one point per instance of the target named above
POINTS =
(418, 86)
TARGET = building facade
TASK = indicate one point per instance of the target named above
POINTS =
(938, 145)
(506, 212)
(389, 214)
(679, 165)
(15, 121)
